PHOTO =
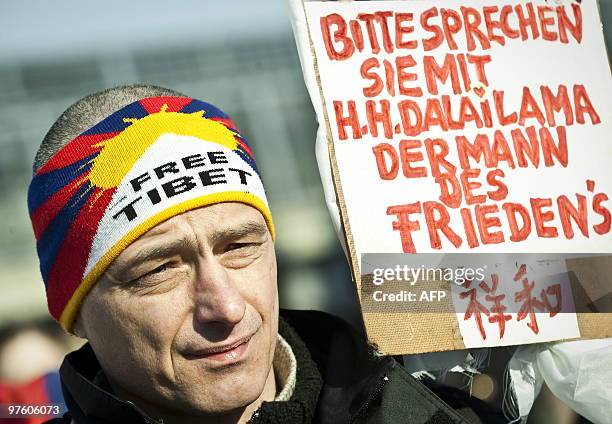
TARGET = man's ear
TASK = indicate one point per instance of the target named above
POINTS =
(78, 328)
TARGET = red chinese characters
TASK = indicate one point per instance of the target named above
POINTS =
(530, 303)
(549, 300)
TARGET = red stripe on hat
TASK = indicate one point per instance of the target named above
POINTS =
(245, 147)
(225, 121)
(71, 260)
(230, 124)
(77, 149)
(154, 104)
(51, 207)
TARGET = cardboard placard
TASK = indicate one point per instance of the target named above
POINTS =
(464, 127)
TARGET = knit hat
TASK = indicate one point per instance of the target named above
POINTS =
(149, 161)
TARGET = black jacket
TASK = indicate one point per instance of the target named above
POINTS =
(339, 380)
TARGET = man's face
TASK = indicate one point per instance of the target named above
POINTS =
(186, 318)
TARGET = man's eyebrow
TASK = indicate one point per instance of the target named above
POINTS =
(160, 250)
(165, 249)
(246, 229)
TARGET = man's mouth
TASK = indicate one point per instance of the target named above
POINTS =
(227, 353)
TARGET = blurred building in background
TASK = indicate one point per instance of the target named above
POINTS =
(239, 56)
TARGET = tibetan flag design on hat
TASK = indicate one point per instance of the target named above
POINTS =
(149, 161)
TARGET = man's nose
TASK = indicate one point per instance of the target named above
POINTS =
(217, 299)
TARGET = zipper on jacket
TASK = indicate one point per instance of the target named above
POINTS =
(372, 397)
(255, 417)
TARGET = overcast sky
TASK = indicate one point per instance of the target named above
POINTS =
(39, 29)
(44, 28)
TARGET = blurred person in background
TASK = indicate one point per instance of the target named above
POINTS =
(30, 355)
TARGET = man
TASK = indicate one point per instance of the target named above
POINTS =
(156, 244)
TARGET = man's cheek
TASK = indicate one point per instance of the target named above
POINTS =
(134, 340)
(119, 324)
(153, 321)
(261, 292)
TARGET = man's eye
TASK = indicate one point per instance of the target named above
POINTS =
(237, 246)
(155, 271)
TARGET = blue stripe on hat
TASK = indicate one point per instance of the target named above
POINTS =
(115, 123)
(51, 240)
(210, 111)
(249, 160)
(46, 185)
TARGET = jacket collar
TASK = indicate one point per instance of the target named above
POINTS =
(353, 375)
(87, 401)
